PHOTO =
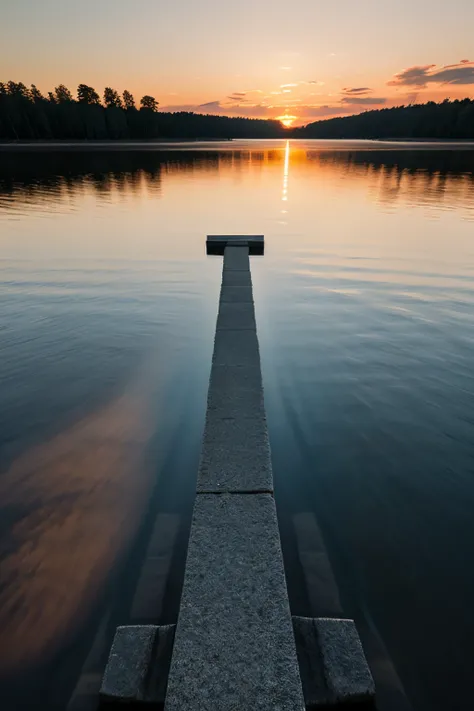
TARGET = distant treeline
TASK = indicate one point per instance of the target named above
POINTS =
(26, 114)
(449, 119)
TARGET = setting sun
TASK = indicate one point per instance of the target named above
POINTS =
(286, 120)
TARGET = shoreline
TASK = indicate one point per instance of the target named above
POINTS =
(172, 143)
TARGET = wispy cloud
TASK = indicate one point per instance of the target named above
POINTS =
(358, 90)
(238, 96)
(286, 86)
(363, 100)
(209, 105)
(421, 76)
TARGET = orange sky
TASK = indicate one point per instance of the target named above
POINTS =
(257, 58)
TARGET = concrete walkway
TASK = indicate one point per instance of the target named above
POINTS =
(234, 646)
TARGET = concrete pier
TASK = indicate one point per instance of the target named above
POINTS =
(234, 643)
(234, 646)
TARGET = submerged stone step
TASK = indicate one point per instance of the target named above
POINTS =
(345, 666)
(150, 591)
(138, 665)
(321, 587)
(332, 663)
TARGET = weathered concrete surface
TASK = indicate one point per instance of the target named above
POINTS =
(236, 258)
(236, 294)
(235, 391)
(235, 456)
(332, 663)
(157, 680)
(345, 666)
(236, 348)
(129, 661)
(232, 277)
(234, 646)
(236, 453)
(236, 317)
(315, 688)
(138, 665)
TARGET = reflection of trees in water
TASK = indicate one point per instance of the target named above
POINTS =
(27, 177)
(38, 177)
(424, 177)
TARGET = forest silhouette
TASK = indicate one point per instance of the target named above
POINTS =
(448, 119)
(26, 114)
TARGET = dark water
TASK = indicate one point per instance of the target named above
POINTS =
(365, 309)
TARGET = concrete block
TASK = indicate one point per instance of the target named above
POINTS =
(235, 456)
(128, 664)
(138, 666)
(234, 646)
(216, 244)
(236, 258)
(345, 666)
(235, 391)
(236, 294)
(315, 689)
(231, 277)
(160, 668)
(235, 317)
(236, 348)
(332, 663)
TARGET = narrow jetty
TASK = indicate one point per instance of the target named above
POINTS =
(234, 646)
(234, 643)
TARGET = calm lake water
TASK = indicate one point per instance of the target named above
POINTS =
(365, 311)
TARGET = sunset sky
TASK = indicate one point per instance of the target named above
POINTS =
(264, 58)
